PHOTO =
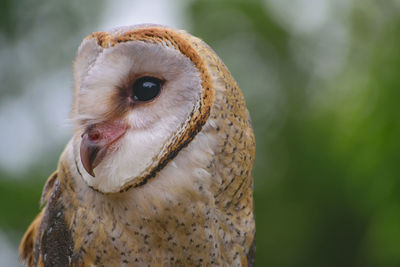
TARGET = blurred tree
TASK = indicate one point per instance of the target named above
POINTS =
(323, 101)
(31, 31)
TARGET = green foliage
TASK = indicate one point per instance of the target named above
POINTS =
(19, 202)
(37, 37)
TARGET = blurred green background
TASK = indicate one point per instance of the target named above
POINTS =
(322, 84)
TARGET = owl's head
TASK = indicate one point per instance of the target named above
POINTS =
(141, 94)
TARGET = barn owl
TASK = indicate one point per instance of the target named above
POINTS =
(158, 171)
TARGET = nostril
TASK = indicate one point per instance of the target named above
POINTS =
(94, 136)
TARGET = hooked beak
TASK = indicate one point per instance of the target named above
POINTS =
(96, 141)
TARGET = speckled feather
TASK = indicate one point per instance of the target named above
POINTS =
(155, 221)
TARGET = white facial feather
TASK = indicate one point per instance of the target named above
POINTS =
(185, 173)
(151, 124)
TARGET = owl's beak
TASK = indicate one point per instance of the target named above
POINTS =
(96, 141)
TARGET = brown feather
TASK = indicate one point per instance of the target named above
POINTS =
(37, 238)
(48, 187)
(26, 248)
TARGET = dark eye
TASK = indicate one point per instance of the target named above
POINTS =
(146, 88)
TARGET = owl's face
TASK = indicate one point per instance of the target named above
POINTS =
(140, 96)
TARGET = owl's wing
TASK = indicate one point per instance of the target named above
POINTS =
(26, 248)
(251, 255)
(48, 233)
(30, 238)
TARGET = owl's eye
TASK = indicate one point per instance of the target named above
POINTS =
(146, 88)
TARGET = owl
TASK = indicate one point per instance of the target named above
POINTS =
(158, 170)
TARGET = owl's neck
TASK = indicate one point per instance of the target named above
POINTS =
(173, 217)
(180, 215)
